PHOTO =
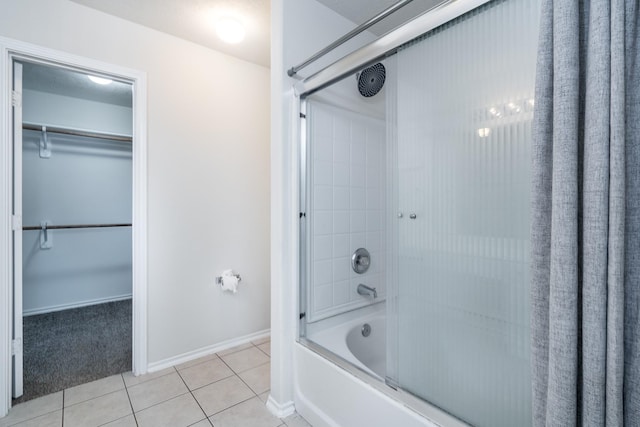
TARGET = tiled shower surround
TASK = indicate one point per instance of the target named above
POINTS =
(347, 203)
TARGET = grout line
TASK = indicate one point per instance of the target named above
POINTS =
(235, 404)
(244, 382)
(150, 379)
(235, 351)
(63, 408)
(199, 363)
(233, 374)
(126, 389)
(163, 401)
(206, 417)
(94, 397)
(267, 354)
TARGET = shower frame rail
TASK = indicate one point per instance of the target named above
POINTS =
(386, 45)
(65, 227)
(351, 34)
(75, 132)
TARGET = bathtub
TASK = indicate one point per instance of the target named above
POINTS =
(337, 364)
(347, 341)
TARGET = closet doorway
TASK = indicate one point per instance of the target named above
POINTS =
(72, 258)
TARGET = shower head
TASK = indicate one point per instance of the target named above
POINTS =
(371, 80)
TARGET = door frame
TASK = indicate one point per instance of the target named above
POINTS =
(11, 49)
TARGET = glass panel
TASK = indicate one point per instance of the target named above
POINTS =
(459, 297)
(346, 199)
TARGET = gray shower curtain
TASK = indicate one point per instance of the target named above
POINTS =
(585, 288)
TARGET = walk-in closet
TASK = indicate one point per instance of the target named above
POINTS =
(73, 183)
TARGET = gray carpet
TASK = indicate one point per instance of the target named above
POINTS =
(71, 347)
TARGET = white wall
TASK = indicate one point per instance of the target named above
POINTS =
(208, 145)
(45, 108)
(299, 29)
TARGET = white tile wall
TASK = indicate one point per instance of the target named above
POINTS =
(347, 201)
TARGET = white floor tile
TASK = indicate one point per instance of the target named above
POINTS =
(261, 340)
(246, 359)
(295, 420)
(266, 347)
(264, 397)
(196, 361)
(128, 421)
(156, 391)
(131, 380)
(181, 411)
(222, 394)
(250, 413)
(98, 411)
(205, 373)
(32, 409)
(258, 378)
(52, 419)
(235, 349)
(93, 389)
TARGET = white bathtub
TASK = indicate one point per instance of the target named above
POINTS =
(347, 341)
(324, 384)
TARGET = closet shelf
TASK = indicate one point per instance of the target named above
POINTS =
(62, 227)
(88, 134)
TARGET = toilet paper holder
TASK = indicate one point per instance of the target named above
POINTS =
(219, 278)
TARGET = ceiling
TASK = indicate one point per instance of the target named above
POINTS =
(192, 19)
(360, 11)
(61, 81)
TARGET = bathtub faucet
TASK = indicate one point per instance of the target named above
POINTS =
(367, 290)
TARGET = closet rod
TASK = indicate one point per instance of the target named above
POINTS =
(88, 134)
(61, 227)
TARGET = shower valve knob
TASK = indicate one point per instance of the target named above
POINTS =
(413, 216)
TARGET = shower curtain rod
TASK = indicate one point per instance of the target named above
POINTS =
(63, 227)
(351, 34)
(387, 44)
(88, 134)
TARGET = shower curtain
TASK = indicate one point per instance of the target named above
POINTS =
(585, 289)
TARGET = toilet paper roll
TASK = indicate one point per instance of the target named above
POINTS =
(230, 281)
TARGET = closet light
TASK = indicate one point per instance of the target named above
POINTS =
(100, 80)
(230, 30)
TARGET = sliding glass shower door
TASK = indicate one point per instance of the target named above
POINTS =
(458, 328)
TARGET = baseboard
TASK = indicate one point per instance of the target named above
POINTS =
(280, 410)
(205, 351)
(86, 303)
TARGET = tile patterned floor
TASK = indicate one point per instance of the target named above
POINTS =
(227, 389)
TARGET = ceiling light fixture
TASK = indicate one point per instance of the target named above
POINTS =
(230, 30)
(100, 80)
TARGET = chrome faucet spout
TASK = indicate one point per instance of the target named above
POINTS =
(367, 290)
